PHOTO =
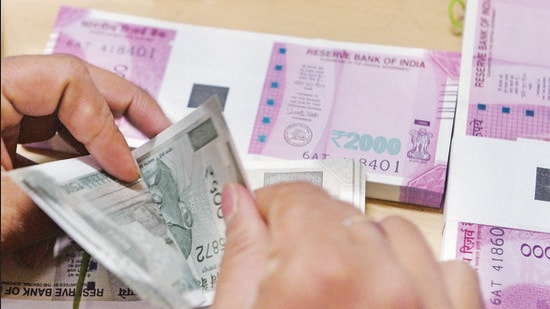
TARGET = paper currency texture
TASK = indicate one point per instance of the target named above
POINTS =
(513, 264)
(164, 234)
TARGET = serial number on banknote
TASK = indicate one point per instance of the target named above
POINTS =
(132, 50)
(373, 164)
(210, 249)
(497, 249)
(140, 51)
(497, 261)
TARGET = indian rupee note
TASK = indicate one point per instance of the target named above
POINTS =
(513, 264)
(163, 235)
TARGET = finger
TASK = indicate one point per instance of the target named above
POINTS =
(306, 265)
(295, 207)
(462, 284)
(10, 127)
(316, 261)
(416, 257)
(127, 99)
(23, 223)
(245, 252)
(62, 83)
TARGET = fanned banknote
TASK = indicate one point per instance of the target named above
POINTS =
(497, 205)
(163, 235)
(56, 281)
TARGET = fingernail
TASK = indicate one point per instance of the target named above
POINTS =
(230, 197)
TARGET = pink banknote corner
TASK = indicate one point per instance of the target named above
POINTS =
(67, 15)
(137, 52)
(76, 51)
(447, 61)
(513, 265)
(426, 189)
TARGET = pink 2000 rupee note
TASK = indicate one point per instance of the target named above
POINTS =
(510, 78)
(513, 265)
(137, 52)
(391, 111)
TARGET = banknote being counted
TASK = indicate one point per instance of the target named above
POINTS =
(163, 235)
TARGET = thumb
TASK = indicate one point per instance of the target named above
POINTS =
(245, 252)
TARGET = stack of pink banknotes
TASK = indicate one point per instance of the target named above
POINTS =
(389, 108)
(497, 206)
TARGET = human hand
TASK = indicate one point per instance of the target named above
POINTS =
(44, 94)
(294, 246)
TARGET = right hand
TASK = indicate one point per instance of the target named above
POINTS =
(291, 248)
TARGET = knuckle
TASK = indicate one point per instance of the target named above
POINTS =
(399, 224)
(396, 291)
(75, 67)
(403, 295)
(330, 277)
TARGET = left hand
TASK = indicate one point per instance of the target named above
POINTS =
(47, 93)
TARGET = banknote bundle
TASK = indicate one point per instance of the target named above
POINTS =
(390, 108)
(497, 206)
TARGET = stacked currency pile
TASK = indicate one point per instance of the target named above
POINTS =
(389, 108)
(497, 208)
